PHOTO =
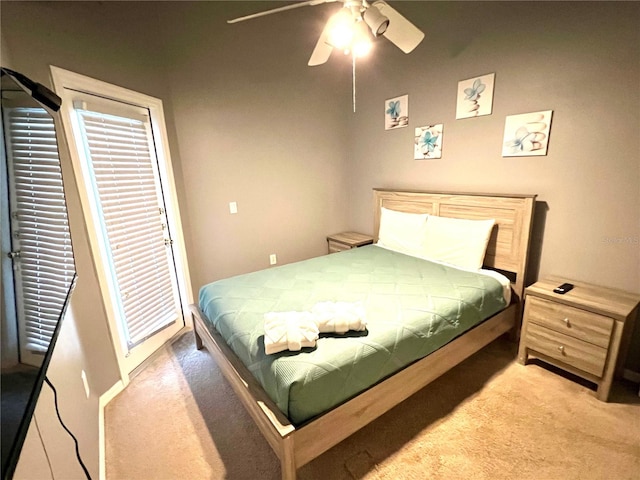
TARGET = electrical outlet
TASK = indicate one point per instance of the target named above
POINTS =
(233, 207)
(272, 259)
(85, 382)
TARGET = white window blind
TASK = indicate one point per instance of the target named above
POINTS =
(129, 200)
(45, 265)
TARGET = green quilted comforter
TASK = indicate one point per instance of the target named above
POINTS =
(413, 307)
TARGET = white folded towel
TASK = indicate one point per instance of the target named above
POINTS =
(339, 317)
(289, 331)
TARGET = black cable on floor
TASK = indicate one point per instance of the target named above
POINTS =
(75, 440)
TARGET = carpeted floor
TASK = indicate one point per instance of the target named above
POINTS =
(488, 418)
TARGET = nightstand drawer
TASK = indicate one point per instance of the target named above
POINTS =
(337, 246)
(582, 355)
(339, 242)
(574, 322)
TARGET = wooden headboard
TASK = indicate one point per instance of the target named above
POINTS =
(508, 247)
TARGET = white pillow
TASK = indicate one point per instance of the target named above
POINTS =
(457, 241)
(402, 232)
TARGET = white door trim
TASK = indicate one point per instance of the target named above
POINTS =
(65, 84)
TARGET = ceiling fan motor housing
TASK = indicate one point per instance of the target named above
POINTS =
(377, 22)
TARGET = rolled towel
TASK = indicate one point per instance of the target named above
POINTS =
(339, 317)
(289, 331)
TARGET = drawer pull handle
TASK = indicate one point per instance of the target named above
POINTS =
(561, 349)
(567, 322)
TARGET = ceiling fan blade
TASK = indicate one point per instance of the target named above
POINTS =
(280, 9)
(323, 48)
(401, 32)
(321, 53)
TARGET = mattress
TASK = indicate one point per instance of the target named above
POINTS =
(413, 307)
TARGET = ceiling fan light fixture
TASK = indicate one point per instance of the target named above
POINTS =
(361, 49)
(376, 21)
(361, 45)
(341, 31)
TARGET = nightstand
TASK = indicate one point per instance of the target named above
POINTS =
(347, 240)
(586, 331)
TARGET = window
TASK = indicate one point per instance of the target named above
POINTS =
(40, 240)
(123, 171)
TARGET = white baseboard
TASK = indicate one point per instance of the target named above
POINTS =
(104, 399)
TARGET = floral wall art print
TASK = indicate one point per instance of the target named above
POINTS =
(475, 96)
(526, 134)
(428, 142)
(396, 112)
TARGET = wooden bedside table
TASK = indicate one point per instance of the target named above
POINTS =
(586, 331)
(347, 240)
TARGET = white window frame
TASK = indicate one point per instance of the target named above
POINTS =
(66, 83)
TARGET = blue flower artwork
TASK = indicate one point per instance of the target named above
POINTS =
(475, 96)
(474, 92)
(428, 142)
(524, 141)
(396, 113)
(394, 109)
(526, 134)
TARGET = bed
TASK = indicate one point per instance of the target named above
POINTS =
(396, 355)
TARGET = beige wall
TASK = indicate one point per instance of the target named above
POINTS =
(250, 122)
(257, 126)
(579, 59)
(79, 413)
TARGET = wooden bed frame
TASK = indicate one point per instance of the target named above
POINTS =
(507, 251)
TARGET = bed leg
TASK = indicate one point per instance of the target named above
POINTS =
(199, 343)
(514, 333)
(287, 460)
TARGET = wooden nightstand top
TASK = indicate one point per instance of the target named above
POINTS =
(611, 302)
(353, 239)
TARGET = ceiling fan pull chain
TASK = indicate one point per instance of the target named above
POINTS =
(353, 86)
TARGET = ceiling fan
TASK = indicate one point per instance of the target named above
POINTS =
(348, 29)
